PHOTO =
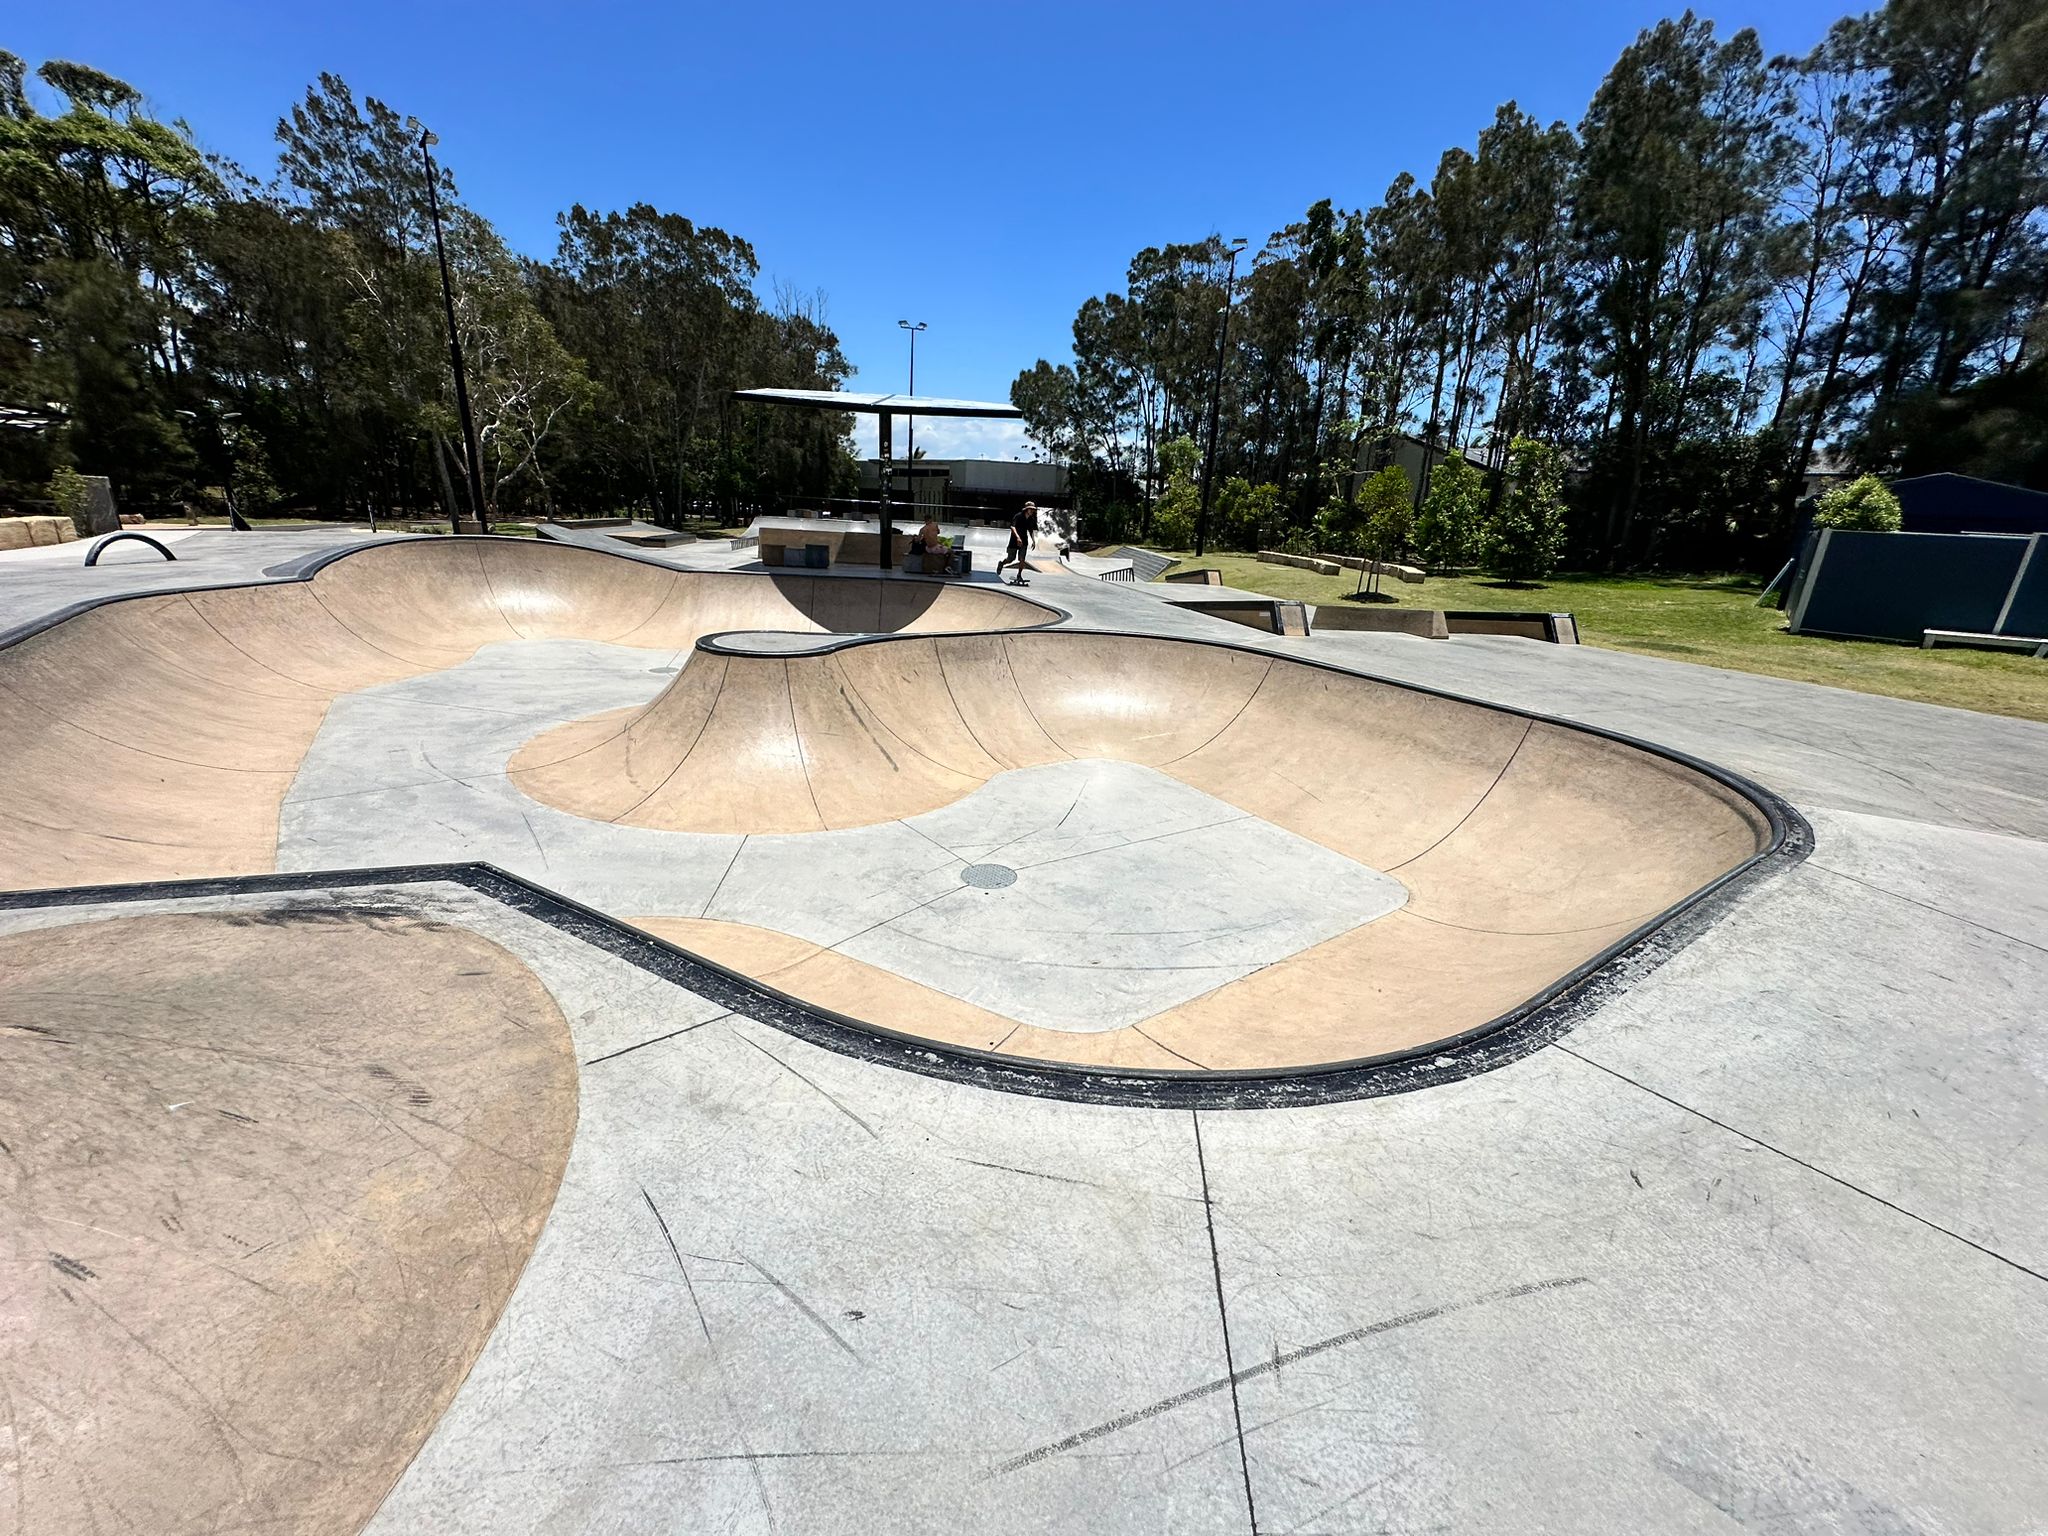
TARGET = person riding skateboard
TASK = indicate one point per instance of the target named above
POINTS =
(1022, 529)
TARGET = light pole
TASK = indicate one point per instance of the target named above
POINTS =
(910, 439)
(475, 463)
(1216, 401)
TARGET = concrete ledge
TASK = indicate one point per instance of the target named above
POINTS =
(1204, 576)
(1270, 615)
(1427, 623)
(1412, 574)
(1558, 628)
(26, 532)
(1299, 562)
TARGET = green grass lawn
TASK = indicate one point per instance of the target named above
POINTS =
(1712, 620)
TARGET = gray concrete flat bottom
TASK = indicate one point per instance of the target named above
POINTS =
(1758, 1245)
(1150, 890)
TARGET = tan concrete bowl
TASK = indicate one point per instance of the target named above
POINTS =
(153, 738)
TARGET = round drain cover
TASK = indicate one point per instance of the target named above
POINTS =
(988, 877)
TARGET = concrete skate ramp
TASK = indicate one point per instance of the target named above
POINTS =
(1527, 848)
(154, 737)
(270, 1180)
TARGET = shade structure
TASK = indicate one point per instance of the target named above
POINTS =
(888, 408)
(879, 405)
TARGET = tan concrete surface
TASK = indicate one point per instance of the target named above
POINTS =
(835, 981)
(155, 738)
(1526, 848)
(269, 1182)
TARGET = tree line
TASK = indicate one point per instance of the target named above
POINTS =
(1734, 268)
(186, 328)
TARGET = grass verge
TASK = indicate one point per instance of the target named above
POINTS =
(1712, 620)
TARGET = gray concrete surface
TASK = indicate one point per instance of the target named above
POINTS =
(207, 557)
(784, 1290)
(414, 771)
(1758, 1246)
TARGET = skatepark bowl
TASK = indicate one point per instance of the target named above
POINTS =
(924, 812)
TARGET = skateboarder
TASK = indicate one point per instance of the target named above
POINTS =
(1022, 527)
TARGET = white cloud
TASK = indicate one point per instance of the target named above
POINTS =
(947, 437)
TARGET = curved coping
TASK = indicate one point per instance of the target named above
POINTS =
(774, 642)
(92, 556)
(1527, 1027)
(306, 567)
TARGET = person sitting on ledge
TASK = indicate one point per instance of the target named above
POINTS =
(929, 540)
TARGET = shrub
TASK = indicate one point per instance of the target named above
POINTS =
(1339, 530)
(1865, 505)
(1173, 523)
(68, 488)
(1242, 514)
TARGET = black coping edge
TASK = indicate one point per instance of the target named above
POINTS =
(1515, 1034)
(1524, 1029)
(306, 567)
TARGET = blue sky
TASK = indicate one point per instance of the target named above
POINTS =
(981, 167)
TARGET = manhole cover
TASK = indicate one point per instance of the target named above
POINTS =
(988, 877)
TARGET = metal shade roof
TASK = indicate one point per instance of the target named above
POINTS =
(897, 405)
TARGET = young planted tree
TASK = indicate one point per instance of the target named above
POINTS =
(1448, 529)
(1386, 505)
(1524, 536)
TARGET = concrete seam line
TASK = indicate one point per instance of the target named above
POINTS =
(952, 698)
(351, 629)
(910, 746)
(125, 746)
(1251, 1508)
(1010, 671)
(200, 614)
(491, 591)
(1793, 1157)
(724, 667)
(1928, 906)
(796, 736)
(1484, 795)
(1226, 725)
